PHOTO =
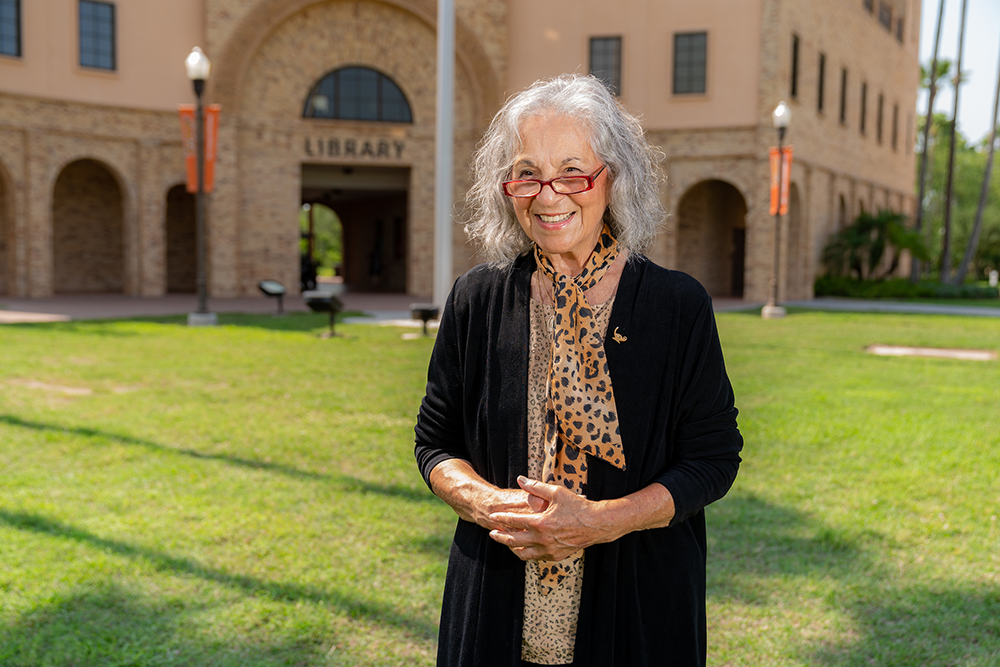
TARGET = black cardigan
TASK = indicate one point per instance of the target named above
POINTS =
(643, 599)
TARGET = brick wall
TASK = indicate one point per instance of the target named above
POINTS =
(87, 230)
(267, 54)
(5, 231)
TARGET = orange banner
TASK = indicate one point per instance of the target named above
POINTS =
(189, 139)
(212, 142)
(786, 172)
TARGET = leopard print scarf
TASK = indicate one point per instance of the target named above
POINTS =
(580, 416)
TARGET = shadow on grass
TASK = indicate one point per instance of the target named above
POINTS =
(753, 540)
(288, 322)
(951, 626)
(343, 482)
(106, 328)
(274, 590)
(292, 322)
(111, 625)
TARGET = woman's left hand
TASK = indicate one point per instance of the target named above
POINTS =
(563, 524)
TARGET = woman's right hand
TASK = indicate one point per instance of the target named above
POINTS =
(474, 499)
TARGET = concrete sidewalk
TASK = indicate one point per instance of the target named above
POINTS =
(378, 308)
(882, 306)
(117, 306)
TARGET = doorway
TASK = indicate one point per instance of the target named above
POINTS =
(711, 237)
(371, 206)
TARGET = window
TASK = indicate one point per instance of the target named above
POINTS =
(606, 61)
(843, 95)
(895, 127)
(795, 65)
(870, 6)
(864, 103)
(357, 93)
(690, 58)
(822, 82)
(10, 27)
(909, 132)
(878, 119)
(97, 35)
(899, 30)
(885, 15)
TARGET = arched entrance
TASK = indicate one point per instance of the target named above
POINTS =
(87, 230)
(371, 203)
(711, 236)
(182, 264)
(335, 117)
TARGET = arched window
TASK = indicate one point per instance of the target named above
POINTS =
(357, 93)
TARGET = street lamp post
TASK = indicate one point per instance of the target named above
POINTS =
(781, 116)
(198, 68)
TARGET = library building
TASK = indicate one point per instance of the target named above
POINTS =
(325, 147)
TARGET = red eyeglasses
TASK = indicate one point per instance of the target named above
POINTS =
(564, 185)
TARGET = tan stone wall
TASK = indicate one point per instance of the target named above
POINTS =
(6, 255)
(152, 40)
(834, 158)
(693, 157)
(552, 37)
(140, 149)
(12, 158)
(268, 53)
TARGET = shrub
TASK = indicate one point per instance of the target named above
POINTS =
(869, 248)
(899, 289)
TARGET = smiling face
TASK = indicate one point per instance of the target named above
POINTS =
(565, 227)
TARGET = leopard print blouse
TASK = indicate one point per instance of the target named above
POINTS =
(550, 620)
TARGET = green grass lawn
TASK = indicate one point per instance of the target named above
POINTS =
(246, 495)
(983, 303)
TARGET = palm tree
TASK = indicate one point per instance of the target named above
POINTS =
(977, 228)
(871, 246)
(931, 77)
(946, 244)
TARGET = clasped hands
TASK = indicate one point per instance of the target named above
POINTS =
(550, 523)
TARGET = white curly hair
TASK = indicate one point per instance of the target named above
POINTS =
(635, 214)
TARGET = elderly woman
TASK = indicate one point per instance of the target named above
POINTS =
(578, 416)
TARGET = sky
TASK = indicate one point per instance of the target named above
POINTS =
(979, 61)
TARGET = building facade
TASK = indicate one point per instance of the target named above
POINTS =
(333, 102)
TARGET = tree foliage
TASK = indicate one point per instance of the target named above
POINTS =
(328, 235)
(870, 247)
(970, 165)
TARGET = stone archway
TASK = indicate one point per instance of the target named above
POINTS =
(280, 141)
(182, 265)
(87, 230)
(711, 236)
(233, 63)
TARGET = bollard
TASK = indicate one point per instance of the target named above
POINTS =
(324, 302)
(275, 289)
(424, 312)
